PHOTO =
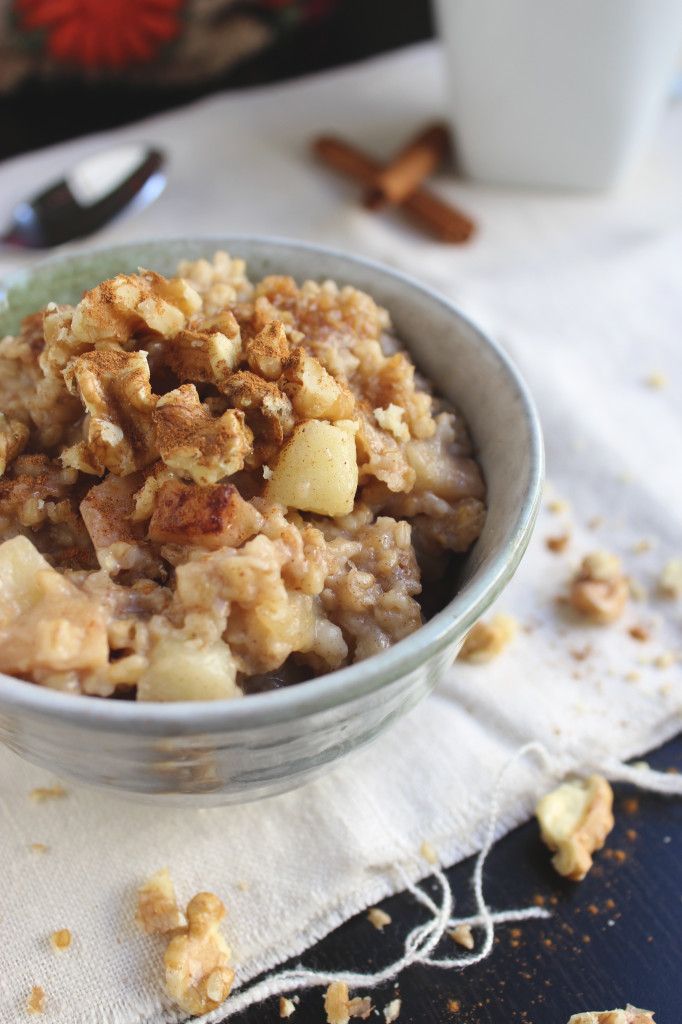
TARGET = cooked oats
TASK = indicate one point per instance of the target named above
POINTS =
(209, 486)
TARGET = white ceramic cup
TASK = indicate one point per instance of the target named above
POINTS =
(557, 92)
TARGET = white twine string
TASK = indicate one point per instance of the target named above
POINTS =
(422, 941)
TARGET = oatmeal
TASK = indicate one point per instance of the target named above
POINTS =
(210, 487)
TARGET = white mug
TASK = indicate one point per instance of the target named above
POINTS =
(556, 92)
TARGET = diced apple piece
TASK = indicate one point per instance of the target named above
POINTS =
(317, 470)
(182, 669)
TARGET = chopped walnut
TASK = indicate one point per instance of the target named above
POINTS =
(600, 590)
(13, 438)
(575, 819)
(268, 350)
(157, 910)
(340, 1008)
(197, 961)
(378, 918)
(42, 793)
(286, 1007)
(130, 303)
(670, 580)
(212, 516)
(314, 393)
(630, 1015)
(360, 1006)
(463, 936)
(115, 390)
(195, 444)
(558, 543)
(60, 940)
(267, 409)
(485, 640)
(205, 351)
(392, 1011)
(36, 1000)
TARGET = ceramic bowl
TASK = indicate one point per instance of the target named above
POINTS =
(207, 753)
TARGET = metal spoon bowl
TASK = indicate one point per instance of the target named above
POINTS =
(93, 192)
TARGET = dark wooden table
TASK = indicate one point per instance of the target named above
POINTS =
(614, 938)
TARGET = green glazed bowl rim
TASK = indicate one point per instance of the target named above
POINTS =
(343, 685)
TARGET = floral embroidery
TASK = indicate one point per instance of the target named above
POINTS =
(102, 33)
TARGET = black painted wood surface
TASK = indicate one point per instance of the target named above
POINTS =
(614, 938)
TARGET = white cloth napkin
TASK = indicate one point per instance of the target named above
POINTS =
(586, 293)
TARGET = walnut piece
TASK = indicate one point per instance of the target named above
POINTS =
(157, 910)
(115, 390)
(392, 1011)
(197, 961)
(340, 1008)
(485, 640)
(378, 918)
(36, 1000)
(212, 516)
(463, 936)
(60, 940)
(196, 445)
(670, 580)
(129, 303)
(599, 590)
(575, 819)
(268, 410)
(268, 350)
(206, 350)
(314, 393)
(13, 438)
(286, 1007)
(336, 1000)
(630, 1015)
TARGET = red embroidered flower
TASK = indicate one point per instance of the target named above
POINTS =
(102, 33)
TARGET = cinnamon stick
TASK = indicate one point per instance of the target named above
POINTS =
(409, 167)
(431, 213)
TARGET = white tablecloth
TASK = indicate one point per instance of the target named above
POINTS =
(586, 293)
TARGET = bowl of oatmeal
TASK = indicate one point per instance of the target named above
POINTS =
(250, 505)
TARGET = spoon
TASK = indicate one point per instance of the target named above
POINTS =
(91, 194)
